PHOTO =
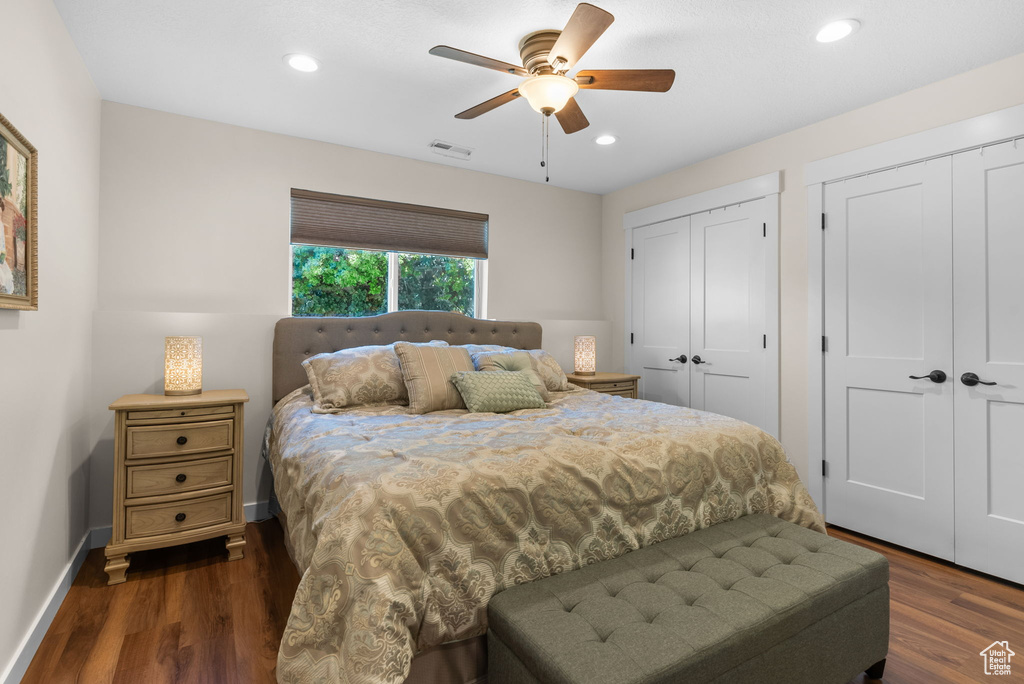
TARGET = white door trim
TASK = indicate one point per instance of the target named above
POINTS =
(815, 336)
(766, 187)
(981, 131)
(735, 193)
(989, 129)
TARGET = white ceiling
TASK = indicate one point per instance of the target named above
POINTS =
(746, 70)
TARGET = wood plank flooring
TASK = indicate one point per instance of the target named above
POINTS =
(185, 614)
(188, 615)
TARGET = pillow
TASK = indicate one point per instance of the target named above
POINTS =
(497, 391)
(549, 371)
(427, 372)
(358, 376)
(512, 361)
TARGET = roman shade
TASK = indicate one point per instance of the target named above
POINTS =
(320, 218)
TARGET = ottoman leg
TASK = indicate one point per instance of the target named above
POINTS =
(876, 670)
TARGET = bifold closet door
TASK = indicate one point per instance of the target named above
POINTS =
(988, 277)
(888, 316)
(661, 310)
(727, 311)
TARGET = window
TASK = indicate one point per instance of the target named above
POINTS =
(333, 281)
(353, 256)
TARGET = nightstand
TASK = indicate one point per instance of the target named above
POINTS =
(619, 384)
(177, 473)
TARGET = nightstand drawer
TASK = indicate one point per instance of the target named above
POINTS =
(149, 520)
(176, 440)
(611, 386)
(621, 393)
(153, 480)
(181, 413)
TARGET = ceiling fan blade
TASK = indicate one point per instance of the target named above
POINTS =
(649, 80)
(571, 117)
(477, 60)
(585, 26)
(487, 106)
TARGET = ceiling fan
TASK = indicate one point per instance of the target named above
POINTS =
(547, 56)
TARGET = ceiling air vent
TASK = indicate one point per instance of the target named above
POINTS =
(450, 150)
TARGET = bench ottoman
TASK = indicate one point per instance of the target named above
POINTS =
(755, 599)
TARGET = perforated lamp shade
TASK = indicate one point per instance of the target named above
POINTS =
(183, 365)
(585, 356)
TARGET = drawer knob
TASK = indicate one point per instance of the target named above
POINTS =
(181, 477)
(182, 440)
(180, 517)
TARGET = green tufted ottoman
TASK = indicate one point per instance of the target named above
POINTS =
(756, 599)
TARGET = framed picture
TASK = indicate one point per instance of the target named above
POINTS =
(19, 183)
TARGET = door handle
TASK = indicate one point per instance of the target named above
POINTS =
(971, 379)
(697, 360)
(681, 358)
(935, 376)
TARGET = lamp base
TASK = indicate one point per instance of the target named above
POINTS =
(181, 393)
(584, 373)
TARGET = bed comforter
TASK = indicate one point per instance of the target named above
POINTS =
(403, 526)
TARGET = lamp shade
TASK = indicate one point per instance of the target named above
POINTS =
(183, 365)
(585, 356)
(548, 93)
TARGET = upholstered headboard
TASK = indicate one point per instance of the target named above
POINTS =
(296, 339)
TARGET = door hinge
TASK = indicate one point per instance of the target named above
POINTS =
(764, 230)
(824, 468)
(631, 338)
(824, 343)
(764, 341)
(823, 220)
(632, 254)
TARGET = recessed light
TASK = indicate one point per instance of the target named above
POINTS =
(837, 30)
(605, 139)
(301, 62)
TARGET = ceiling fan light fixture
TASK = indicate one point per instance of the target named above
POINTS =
(548, 93)
(837, 30)
(300, 62)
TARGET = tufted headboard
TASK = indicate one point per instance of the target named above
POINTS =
(296, 339)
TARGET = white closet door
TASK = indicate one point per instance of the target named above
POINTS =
(728, 311)
(988, 239)
(888, 316)
(661, 310)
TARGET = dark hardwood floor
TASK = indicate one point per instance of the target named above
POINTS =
(185, 614)
(188, 615)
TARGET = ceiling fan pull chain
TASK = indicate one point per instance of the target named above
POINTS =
(547, 148)
(542, 162)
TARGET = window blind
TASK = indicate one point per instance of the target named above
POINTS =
(320, 218)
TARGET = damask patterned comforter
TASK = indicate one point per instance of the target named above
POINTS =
(403, 526)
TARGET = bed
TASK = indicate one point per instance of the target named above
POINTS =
(403, 526)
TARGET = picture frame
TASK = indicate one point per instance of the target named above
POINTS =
(19, 246)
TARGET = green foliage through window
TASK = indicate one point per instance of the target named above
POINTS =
(328, 281)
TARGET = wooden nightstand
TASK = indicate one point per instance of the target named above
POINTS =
(619, 384)
(177, 473)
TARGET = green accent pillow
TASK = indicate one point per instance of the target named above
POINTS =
(512, 360)
(496, 391)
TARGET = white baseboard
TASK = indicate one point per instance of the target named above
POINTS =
(260, 510)
(26, 650)
(98, 537)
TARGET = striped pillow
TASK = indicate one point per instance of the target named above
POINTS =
(427, 372)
